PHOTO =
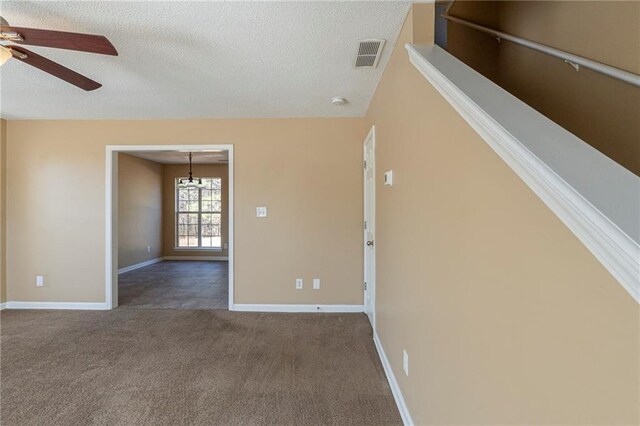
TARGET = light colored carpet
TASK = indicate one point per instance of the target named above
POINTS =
(176, 284)
(177, 367)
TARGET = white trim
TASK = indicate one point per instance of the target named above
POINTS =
(176, 214)
(370, 287)
(111, 212)
(562, 189)
(393, 383)
(231, 233)
(139, 265)
(242, 307)
(3, 306)
(57, 305)
(195, 258)
(111, 237)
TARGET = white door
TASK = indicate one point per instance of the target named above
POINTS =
(370, 227)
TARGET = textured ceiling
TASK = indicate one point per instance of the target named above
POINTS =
(181, 157)
(202, 59)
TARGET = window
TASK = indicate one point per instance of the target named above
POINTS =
(199, 215)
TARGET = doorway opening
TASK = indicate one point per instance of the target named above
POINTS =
(169, 227)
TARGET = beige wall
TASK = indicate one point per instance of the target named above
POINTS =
(475, 49)
(139, 210)
(600, 110)
(306, 171)
(173, 171)
(3, 211)
(507, 318)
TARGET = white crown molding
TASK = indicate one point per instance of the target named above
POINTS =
(393, 383)
(242, 307)
(57, 305)
(139, 265)
(618, 252)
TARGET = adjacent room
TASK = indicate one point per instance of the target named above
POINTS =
(173, 229)
(320, 213)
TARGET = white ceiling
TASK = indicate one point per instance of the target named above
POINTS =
(181, 157)
(202, 59)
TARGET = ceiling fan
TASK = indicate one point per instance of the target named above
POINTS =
(56, 39)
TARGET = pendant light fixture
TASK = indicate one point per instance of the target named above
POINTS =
(191, 182)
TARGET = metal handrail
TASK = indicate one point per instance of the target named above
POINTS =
(574, 60)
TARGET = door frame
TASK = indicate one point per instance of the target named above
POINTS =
(111, 212)
(370, 284)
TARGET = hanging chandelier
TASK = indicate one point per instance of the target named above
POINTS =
(191, 182)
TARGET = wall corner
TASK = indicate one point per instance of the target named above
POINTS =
(423, 22)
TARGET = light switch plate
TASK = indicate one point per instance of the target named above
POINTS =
(261, 212)
(316, 283)
(39, 280)
(388, 178)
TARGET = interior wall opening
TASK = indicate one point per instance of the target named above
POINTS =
(172, 229)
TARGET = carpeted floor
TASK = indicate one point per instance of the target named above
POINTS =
(177, 367)
(176, 284)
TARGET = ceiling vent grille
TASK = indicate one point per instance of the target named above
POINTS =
(369, 53)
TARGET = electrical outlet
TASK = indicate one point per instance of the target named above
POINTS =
(226, 245)
(316, 283)
(405, 362)
(148, 249)
(39, 280)
(261, 212)
(299, 283)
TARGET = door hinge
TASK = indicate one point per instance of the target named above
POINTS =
(365, 285)
(365, 164)
(365, 224)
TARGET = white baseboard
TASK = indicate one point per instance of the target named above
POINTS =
(393, 383)
(160, 259)
(236, 307)
(3, 306)
(56, 305)
(139, 265)
(297, 308)
(225, 258)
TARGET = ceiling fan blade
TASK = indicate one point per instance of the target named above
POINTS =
(53, 68)
(58, 39)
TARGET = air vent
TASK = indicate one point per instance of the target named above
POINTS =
(369, 53)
